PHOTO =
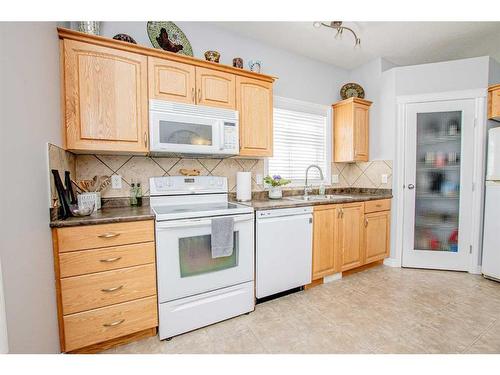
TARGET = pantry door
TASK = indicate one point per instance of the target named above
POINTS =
(439, 140)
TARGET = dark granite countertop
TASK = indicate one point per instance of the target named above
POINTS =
(107, 216)
(262, 203)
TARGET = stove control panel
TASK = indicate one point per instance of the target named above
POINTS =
(177, 185)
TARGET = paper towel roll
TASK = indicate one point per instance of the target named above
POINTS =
(243, 186)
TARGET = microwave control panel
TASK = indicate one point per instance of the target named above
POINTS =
(230, 135)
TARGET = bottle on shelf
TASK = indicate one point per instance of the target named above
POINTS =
(138, 194)
(133, 197)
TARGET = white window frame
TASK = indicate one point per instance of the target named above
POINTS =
(313, 108)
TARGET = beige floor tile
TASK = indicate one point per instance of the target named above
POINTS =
(380, 310)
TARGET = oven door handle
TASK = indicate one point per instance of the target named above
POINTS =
(196, 222)
(221, 135)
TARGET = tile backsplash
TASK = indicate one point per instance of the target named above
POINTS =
(141, 168)
(363, 174)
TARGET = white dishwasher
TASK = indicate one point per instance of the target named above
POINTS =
(284, 249)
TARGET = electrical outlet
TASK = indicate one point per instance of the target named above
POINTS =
(258, 179)
(335, 178)
(385, 178)
(116, 181)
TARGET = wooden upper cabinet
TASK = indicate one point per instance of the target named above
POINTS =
(216, 89)
(325, 241)
(254, 101)
(171, 80)
(106, 99)
(351, 235)
(351, 129)
(494, 103)
(377, 235)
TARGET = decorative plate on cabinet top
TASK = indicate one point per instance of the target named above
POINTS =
(352, 89)
(166, 35)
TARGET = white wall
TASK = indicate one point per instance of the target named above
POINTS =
(4, 345)
(30, 117)
(298, 77)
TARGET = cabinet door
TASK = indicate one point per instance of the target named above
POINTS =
(351, 235)
(106, 99)
(170, 80)
(361, 126)
(215, 89)
(377, 236)
(325, 260)
(254, 100)
(494, 103)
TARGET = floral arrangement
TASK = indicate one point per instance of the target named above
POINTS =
(276, 180)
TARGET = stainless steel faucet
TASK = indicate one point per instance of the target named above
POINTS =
(308, 188)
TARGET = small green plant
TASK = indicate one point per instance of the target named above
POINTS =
(276, 180)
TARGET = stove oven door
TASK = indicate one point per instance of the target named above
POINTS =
(185, 264)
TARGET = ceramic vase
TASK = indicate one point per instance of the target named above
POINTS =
(89, 27)
(212, 56)
(275, 193)
(238, 62)
(255, 65)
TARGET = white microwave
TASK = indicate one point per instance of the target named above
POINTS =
(178, 128)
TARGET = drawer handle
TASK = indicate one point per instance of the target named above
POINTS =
(113, 324)
(114, 289)
(109, 260)
(109, 235)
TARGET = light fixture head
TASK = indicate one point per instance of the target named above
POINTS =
(337, 25)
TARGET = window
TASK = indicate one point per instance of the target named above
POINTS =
(301, 138)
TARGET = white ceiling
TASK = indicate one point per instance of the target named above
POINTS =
(402, 43)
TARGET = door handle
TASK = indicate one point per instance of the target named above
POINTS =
(192, 95)
(145, 139)
(366, 223)
(411, 186)
(199, 95)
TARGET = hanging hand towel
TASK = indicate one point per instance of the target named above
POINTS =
(222, 237)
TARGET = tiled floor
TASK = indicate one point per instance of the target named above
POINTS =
(380, 310)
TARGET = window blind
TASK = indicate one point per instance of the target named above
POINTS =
(300, 139)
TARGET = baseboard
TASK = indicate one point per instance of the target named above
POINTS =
(330, 278)
(475, 270)
(392, 262)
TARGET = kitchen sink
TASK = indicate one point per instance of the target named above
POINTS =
(316, 198)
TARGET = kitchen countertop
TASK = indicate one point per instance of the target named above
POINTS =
(107, 216)
(267, 204)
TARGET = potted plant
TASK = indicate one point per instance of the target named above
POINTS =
(275, 182)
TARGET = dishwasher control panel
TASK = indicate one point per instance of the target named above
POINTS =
(278, 212)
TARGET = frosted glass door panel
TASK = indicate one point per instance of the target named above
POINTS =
(437, 195)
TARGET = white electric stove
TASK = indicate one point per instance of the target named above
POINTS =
(194, 289)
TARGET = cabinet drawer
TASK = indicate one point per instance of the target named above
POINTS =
(107, 323)
(378, 205)
(92, 236)
(109, 258)
(87, 292)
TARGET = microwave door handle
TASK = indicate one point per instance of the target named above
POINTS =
(221, 135)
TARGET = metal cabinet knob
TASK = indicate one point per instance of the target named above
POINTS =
(411, 186)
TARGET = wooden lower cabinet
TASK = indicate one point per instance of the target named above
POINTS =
(347, 236)
(351, 235)
(106, 284)
(325, 241)
(377, 236)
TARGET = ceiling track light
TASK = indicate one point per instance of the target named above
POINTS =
(337, 25)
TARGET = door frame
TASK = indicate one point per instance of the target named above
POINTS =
(479, 144)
